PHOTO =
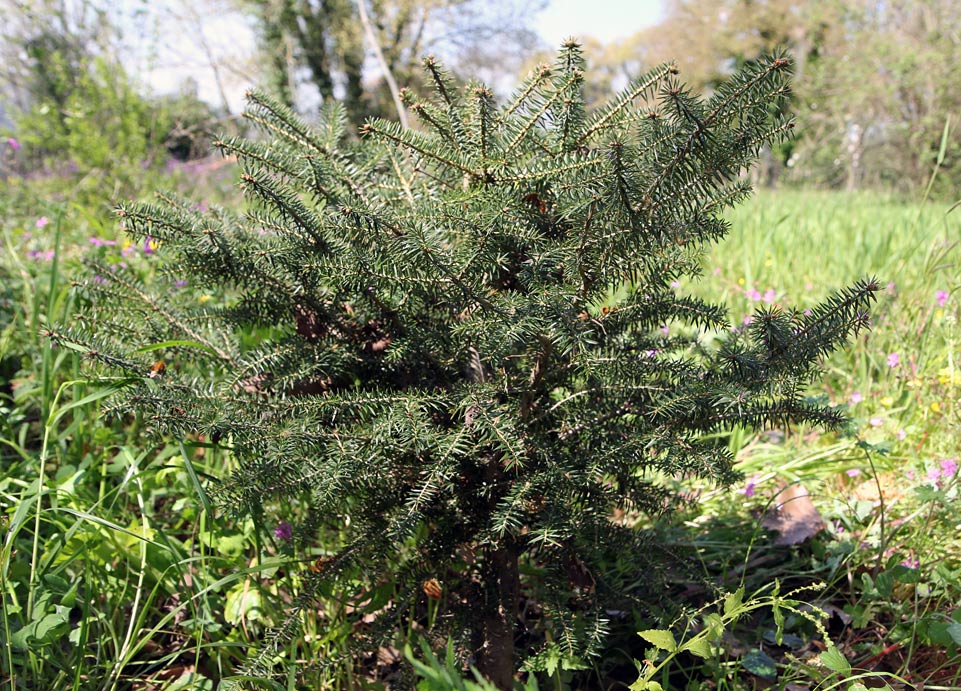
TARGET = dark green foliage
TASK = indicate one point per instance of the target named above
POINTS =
(465, 340)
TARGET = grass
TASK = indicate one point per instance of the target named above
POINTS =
(117, 574)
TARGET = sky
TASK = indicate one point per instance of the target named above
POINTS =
(184, 52)
(607, 20)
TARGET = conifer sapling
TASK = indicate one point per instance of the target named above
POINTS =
(459, 343)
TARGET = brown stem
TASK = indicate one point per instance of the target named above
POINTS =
(496, 659)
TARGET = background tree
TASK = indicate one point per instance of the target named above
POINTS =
(321, 45)
(420, 339)
(874, 81)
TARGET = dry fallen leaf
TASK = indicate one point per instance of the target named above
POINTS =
(794, 517)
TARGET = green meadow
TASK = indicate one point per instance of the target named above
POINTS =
(118, 572)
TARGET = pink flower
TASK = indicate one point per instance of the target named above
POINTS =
(717, 271)
(675, 284)
(911, 563)
(769, 295)
(41, 255)
(949, 467)
(853, 472)
(893, 359)
(753, 294)
(933, 474)
(891, 287)
(98, 242)
(942, 297)
(13, 143)
(856, 398)
(876, 422)
(284, 530)
(902, 435)
(42, 221)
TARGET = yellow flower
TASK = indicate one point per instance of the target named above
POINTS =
(741, 281)
(947, 376)
(887, 401)
(935, 407)
(204, 298)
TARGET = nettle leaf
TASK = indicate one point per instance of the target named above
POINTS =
(834, 660)
(732, 602)
(698, 646)
(659, 638)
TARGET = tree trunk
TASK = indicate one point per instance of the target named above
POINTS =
(496, 659)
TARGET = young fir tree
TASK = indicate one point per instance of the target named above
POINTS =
(419, 333)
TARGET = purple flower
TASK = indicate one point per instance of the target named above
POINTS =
(665, 330)
(99, 242)
(853, 472)
(893, 359)
(40, 255)
(949, 467)
(769, 295)
(856, 398)
(748, 490)
(99, 279)
(942, 297)
(911, 563)
(181, 284)
(753, 295)
(13, 143)
(149, 246)
(42, 221)
(284, 531)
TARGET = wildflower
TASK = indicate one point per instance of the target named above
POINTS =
(42, 221)
(933, 474)
(99, 279)
(181, 284)
(935, 406)
(100, 242)
(902, 434)
(748, 490)
(748, 318)
(753, 295)
(911, 563)
(893, 359)
(891, 287)
(807, 313)
(887, 401)
(675, 284)
(284, 531)
(13, 143)
(149, 245)
(876, 422)
(741, 281)
(853, 472)
(856, 398)
(949, 467)
(665, 330)
(769, 295)
(41, 255)
(717, 271)
(942, 297)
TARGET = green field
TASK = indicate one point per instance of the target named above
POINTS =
(118, 574)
